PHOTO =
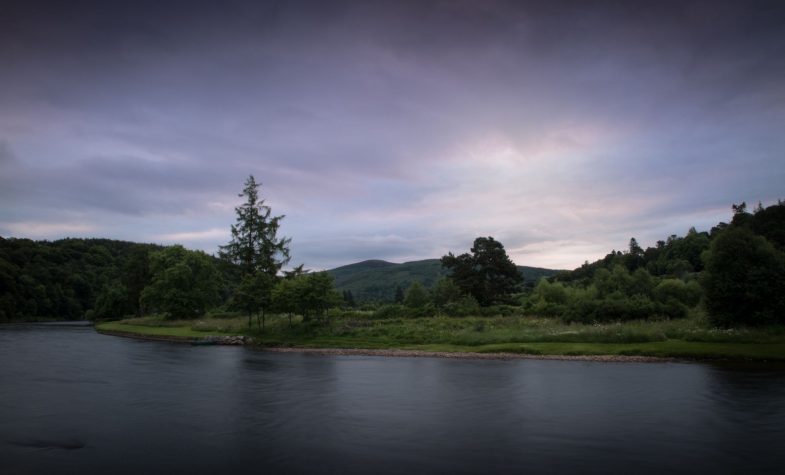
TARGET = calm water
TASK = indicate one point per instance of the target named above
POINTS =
(73, 401)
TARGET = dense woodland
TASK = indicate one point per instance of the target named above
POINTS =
(734, 273)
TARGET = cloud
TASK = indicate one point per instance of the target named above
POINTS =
(47, 230)
(194, 236)
(396, 130)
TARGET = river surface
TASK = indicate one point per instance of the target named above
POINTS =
(74, 401)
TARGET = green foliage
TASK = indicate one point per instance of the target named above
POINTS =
(690, 337)
(112, 303)
(381, 281)
(254, 295)
(487, 273)
(63, 279)
(309, 295)
(770, 223)
(416, 296)
(615, 295)
(184, 283)
(463, 307)
(255, 246)
(317, 295)
(445, 292)
(348, 299)
(391, 311)
(687, 293)
(744, 279)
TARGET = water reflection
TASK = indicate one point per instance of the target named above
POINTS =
(134, 406)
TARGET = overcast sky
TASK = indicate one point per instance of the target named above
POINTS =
(390, 130)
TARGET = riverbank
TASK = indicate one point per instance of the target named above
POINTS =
(498, 338)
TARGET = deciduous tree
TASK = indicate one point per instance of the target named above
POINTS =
(487, 273)
(184, 283)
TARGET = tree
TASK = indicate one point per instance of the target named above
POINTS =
(136, 275)
(348, 299)
(634, 257)
(316, 294)
(112, 303)
(444, 292)
(184, 283)
(744, 279)
(257, 251)
(254, 296)
(398, 294)
(416, 296)
(285, 298)
(487, 273)
(310, 295)
(255, 246)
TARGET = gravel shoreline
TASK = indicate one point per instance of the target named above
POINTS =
(468, 355)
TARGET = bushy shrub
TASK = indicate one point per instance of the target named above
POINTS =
(465, 307)
(687, 293)
(337, 312)
(620, 308)
(744, 280)
(390, 311)
(501, 311)
(401, 311)
(223, 314)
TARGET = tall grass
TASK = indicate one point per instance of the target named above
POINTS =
(469, 331)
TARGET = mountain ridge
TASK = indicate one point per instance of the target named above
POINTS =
(376, 279)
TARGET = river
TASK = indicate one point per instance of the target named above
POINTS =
(74, 401)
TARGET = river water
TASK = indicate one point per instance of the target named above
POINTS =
(74, 401)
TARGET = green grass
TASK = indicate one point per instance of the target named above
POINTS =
(688, 338)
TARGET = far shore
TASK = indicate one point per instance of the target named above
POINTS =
(404, 353)
(470, 338)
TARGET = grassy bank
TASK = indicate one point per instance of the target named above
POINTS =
(688, 338)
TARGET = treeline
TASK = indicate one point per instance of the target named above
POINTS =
(101, 279)
(70, 278)
(735, 272)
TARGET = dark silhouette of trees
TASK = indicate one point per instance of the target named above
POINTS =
(744, 280)
(254, 296)
(255, 246)
(257, 251)
(487, 273)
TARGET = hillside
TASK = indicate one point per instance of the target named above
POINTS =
(376, 280)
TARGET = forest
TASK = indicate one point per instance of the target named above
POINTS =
(733, 273)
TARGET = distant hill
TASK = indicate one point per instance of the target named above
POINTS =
(376, 280)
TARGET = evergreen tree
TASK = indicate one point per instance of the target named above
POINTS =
(255, 246)
(257, 251)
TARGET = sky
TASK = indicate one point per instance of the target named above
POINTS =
(397, 130)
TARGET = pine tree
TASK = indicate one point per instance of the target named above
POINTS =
(255, 246)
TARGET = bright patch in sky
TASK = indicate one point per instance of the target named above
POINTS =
(391, 130)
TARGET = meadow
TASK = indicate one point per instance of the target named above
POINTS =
(692, 337)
